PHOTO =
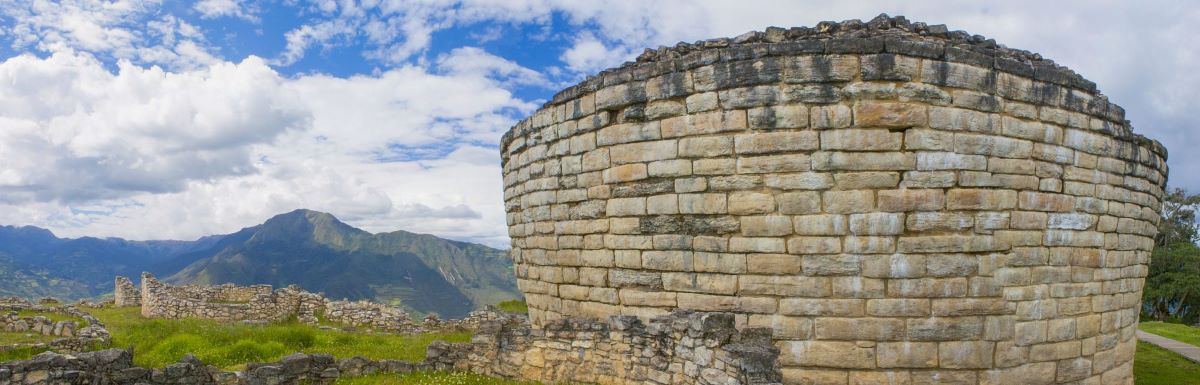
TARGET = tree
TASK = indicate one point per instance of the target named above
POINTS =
(1178, 222)
(1172, 290)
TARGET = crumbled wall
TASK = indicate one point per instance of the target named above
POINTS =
(684, 348)
(224, 303)
(125, 293)
(896, 201)
(263, 304)
(75, 337)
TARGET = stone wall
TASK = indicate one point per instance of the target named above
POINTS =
(75, 337)
(684, 348)
(125, 293)
(366, 314)
(263, 304)
(225, 302)
(898, 202)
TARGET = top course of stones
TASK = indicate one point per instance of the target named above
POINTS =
(882, 34)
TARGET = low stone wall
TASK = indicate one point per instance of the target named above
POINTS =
(366, 314)
(125, 293)
(682, 348)
(76, 337)
(259, 303)
(225, 302)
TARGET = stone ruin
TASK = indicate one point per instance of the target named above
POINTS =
(897, 202)
(125, 293)
(263, 304)
(705, 347)
(226, 302)
(75, 337)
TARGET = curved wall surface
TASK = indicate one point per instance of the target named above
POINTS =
(901, 204)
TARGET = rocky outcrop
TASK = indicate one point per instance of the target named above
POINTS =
(897, 201)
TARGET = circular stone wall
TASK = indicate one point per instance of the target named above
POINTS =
(898, 202)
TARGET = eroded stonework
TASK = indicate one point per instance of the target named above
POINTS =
(899, 203)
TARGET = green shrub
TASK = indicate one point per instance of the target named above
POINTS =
(514, 306)
(246, 351)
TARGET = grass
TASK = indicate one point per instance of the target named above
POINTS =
(1178, 332)
(22, 353)
(55, 317)
(1157, 366)
(514, 306)
(12, 338)
(230, 346)
(429, 378)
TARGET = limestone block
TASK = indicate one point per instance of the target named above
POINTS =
(889, 115)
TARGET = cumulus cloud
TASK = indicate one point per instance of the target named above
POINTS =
(76, 132)
(117, 29)
(211, 9)
(146, 153)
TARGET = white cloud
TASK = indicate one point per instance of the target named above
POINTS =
(77, 132)
(475, 62)
(211, 9)
(589, 55)
(145, 153)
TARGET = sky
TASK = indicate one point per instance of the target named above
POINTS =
(148, 119)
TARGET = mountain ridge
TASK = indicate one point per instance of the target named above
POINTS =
(421, 272)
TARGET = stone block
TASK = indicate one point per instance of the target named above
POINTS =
(862, 140)
(835, 116)
(781, 117)
(863, 161)
(820, 68)
(913, 355)
(776, 142)
(626, 173)
(848, 202)
(707, 203)
(870, 329)
(790, 286)
(773, 164)
(705, 147)
(799, 202)
(766, 225)
(829, 354)
(911, 200)
(866, 180)
(897, 115)
(965, 354)
(978, 199)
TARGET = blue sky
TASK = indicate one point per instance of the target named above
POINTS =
(176, 119)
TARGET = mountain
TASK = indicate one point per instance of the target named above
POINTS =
(315, 250)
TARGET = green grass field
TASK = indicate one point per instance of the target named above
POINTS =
(1178, 332)
(13, 338)
(52, 316)
(1157, 366)
(158, 343)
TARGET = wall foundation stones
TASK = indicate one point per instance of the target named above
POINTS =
(897, 202)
